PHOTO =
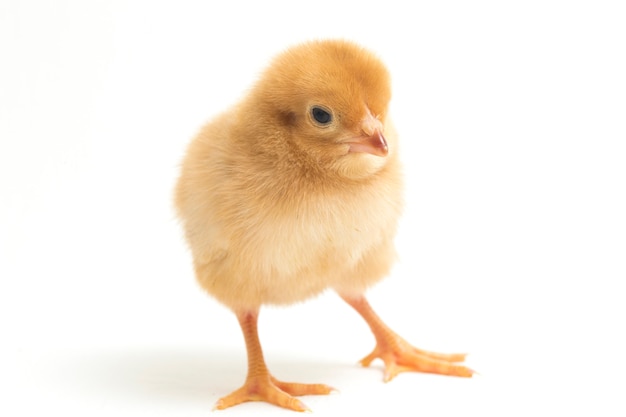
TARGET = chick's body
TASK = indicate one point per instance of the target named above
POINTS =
(294, 190)
(266, 234)
(270, 223)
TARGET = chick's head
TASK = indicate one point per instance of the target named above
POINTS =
(330, 99)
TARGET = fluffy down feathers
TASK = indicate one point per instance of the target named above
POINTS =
(278, 206)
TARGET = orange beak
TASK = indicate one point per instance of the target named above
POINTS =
(372, 141)
(374, 144)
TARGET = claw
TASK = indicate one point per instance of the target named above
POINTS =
(392, 370)
(369, 358)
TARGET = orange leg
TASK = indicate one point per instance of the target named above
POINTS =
(260, 385)
(398, 354)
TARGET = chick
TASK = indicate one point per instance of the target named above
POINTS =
(295, 190)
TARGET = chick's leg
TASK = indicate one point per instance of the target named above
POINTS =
(260, 385)
(398, 355)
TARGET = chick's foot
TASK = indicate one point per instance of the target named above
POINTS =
(260, 385)
(269, 389)
(399, 355)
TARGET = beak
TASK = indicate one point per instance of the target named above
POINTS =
(374, 144)
(372, 141)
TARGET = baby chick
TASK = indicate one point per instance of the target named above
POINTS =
(295, 190)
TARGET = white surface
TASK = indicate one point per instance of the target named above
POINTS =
(512, 120)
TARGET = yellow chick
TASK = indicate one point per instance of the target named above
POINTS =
(295, 190)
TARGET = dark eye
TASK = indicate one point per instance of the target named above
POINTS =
(321, 116)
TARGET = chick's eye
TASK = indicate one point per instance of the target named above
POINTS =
(321, 116)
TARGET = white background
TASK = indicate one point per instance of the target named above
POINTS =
(513, 130)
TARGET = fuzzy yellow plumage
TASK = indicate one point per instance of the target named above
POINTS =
(295, 190)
